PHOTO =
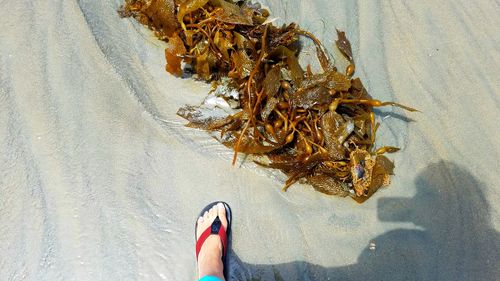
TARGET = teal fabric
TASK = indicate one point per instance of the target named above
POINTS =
(210, 278)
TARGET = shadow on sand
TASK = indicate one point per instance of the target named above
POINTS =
(457, 241)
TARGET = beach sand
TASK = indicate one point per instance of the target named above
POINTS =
(100, 180)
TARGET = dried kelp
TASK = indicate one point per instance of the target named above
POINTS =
(315, 127)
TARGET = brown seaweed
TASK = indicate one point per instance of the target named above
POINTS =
(316, 127)
(158, 15)
(344, 45)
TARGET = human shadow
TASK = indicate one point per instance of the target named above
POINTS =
(456, 242)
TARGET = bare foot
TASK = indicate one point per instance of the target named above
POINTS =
(210, 256)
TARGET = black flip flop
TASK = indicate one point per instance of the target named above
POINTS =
(216, 228)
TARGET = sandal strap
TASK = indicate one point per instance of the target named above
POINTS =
(215, 228)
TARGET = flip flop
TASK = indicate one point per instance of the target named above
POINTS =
(216, 228)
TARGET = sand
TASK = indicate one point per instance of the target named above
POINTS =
(100, 180)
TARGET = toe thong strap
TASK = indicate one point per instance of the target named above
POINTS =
(216, 228)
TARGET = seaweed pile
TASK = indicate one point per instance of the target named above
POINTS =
(315, 126)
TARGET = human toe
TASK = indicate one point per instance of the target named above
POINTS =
(221, 212)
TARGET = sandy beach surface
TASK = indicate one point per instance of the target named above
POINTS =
(100, 180)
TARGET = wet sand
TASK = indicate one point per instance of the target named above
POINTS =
(100, 180)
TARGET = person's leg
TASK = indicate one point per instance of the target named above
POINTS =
(210, 257)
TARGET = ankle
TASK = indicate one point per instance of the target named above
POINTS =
(211, 265)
